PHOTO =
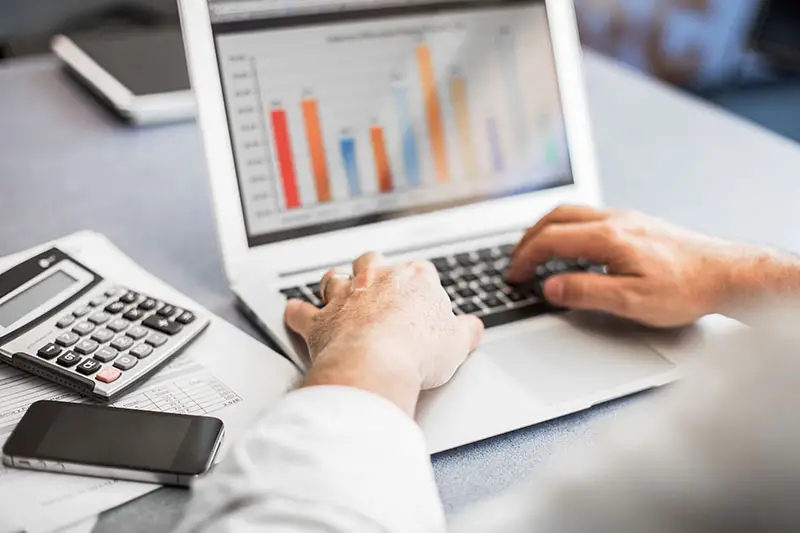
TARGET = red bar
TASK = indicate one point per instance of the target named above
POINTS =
(283, 145)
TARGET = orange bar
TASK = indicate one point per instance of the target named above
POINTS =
(458, 93)
(385, 183)
(433, 112)
(316, 149)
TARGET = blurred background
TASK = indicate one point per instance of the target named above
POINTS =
(743, 55)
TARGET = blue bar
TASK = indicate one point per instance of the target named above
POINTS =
(348, 147)
(494, 145)
(410, 158)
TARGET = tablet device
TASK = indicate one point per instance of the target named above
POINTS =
(140, 73)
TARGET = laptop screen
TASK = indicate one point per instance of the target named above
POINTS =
(354, 112)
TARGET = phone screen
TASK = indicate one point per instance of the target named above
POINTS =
(115, 438)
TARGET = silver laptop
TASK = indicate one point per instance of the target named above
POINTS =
(422, 129)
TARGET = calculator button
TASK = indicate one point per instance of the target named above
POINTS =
(115, 307)
(167, 311)
(156, 339)
(148, 305)
(84, 328)
(100, 318)
(163, 325)
(118, 325)
(141, 351)
(122, 343)
(86, 346)
(108, 375)
(67, 339)
(49, 351)
(81, 311)
(106, 354)
(65, 321)
(187, 317)
(137, 333)
(133, 314)
(97, 301)
(103, 335)
(88, 367)
(126, 362)
(129, 297)
(112, 291)
(68, 359)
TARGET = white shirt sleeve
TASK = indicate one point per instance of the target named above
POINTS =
(331, 459)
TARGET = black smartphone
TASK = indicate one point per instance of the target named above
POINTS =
(110, 442)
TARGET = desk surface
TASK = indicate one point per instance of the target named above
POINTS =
(66, 165)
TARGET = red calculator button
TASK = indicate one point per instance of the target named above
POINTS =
(108, 375)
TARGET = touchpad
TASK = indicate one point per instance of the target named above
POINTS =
(564, 362)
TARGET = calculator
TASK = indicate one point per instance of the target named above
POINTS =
(65, 323)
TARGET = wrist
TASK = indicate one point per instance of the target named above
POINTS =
(384, 371)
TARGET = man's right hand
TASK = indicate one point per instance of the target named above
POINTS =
(658, 274)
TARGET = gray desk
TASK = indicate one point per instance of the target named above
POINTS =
(66, 165)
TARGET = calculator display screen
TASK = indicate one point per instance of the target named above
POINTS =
(36, 295)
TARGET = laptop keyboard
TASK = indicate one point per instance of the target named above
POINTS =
(476, 285)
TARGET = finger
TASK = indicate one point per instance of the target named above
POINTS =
(561, 215)
(473, 329)
(596, 292)
(588, 240)
(299, 316)
(335, 284)
(364, 268)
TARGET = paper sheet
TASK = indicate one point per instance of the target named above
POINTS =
(224, 373)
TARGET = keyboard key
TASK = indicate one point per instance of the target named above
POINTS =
(465, 260)
(120, 324)
(65, 321)
(507, 249)
(148, 305)
(141, 351)
(468, 308)
(126, 362)
(442, 264)
(129, 297)
(133, 314)
(293, 293)
(49, 351)
(447, 281)
(88, 367)
(97, 301)
(139, 332)
(488, 254)
(115, 308)
(103, 335)
(187, 317)
(68, 359)
(470, 277)
(156, 340)
(108, 375)
(84, 328)
(86, 346)
(167, 311)
(466, 292)
(106, 354)
(67, 339)
(492, 273)
(489, 288)
(81, 311)
(122, 343)
(163, 325)
(493, 302)
(99, 318)
(515, 296)
(315, 290)
(112, 291)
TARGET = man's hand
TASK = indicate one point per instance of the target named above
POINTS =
(658, 274)
(391, 330)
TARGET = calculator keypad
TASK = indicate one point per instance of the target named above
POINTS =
(113, 334)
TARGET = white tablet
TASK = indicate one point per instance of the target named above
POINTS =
(140, 74)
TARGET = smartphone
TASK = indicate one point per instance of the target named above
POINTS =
(110, 442)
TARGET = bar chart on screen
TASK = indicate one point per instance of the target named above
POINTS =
(349, 117)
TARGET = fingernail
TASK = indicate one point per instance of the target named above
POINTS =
(554, 289)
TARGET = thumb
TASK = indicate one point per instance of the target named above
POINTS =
(596, 292)
(473, 327)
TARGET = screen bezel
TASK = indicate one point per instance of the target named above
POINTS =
(491, 216)
(191, 459)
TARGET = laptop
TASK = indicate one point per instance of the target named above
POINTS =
(425, 130)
